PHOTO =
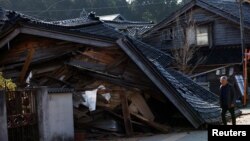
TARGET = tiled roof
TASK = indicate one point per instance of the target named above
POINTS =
(205, 103)
(153, 54)
(83, 25)
(129, 23)
(228, 7)
(72, 22)
(201, 101)
(133, 28)
(138, 31)
(101, 29)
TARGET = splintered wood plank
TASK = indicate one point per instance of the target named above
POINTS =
(26, 64)
(141, 105)
(126, 115)
(157, 126)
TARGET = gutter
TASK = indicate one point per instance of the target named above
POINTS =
(199, 74)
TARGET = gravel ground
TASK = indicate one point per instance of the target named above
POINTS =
(244, 119)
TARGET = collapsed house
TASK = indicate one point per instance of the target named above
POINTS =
(107, 71)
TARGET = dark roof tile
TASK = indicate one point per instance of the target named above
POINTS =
(203, 102)
(227, 9)
(101, 29)
(230, 7)
(83, 25)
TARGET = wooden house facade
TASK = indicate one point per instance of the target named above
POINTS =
(213, 26)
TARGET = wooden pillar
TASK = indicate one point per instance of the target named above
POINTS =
(26, 65)
(126, 114)
(3, 118)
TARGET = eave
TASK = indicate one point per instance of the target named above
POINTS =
(56, 33)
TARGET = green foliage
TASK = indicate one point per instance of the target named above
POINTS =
(6, 82)
(150, 10)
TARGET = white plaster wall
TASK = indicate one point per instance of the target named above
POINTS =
(60, 117)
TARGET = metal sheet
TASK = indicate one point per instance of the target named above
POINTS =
(240, 83)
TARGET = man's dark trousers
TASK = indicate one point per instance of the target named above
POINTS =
(223, 115)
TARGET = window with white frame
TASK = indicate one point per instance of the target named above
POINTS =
(202, 35)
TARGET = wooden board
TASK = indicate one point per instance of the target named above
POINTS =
(141, 106)
(157, 126)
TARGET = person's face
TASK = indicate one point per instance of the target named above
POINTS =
(223, 82)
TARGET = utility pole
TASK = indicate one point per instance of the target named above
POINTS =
(244, 52)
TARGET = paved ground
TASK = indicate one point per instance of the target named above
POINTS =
(200, 135)
(244, 119)
(184, 136)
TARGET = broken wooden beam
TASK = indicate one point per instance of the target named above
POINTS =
(26, 65)
(126, 114)
(157, 126)
(139, 105)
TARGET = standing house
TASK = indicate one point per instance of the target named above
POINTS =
(214, 27)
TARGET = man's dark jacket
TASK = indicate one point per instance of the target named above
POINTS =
(230, 94)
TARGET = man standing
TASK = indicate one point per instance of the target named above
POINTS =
(227, 100)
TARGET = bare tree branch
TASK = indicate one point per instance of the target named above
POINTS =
(185, 53)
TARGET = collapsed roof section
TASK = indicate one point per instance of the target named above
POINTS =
(198, 105)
